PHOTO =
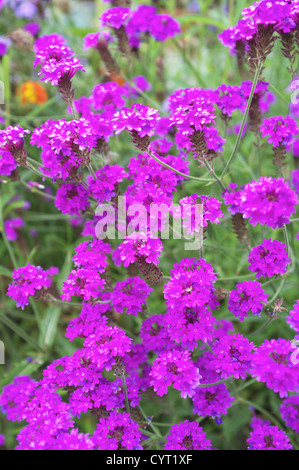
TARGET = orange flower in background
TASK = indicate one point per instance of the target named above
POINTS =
(32, 93)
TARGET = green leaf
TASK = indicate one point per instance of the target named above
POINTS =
(23, 368)
(49, 327)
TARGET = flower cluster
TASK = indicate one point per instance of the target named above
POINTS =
(247, 297)
(27, 280)
(268, 259)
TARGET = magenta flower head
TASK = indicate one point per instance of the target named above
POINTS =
(187, 436)
(274, 364)
(130, 295)
(114, 17)
(289, 410)
(11, 226)
(267, 437)
(175, 368)
(293, 318)
(66, 145)
(232, 356)
(281, 131)
(139, 120)
(58, 64)
(163, 27)
(27, 280)
(248, 297)
(117, 432)
(268, 201)
(12, 141)
(83, 282)
(268, 259)
(71, 199)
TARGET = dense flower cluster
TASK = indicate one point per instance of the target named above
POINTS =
(280, 130)
(272, 364)
(247, 297)
(267, 437)
(58, 64)
(289, 410)
(187, 436)
(293, 318)
(268, 259)
(27, 280)
(268, 201)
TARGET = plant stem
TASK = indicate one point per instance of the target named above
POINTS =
(126, 394)
(239, 136)
(176, 171)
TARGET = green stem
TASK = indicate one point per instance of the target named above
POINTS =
(176, 171)
(261, 410)
(156, 431)
(262, 328)
(247, 384)
(213, 174)
(215, 383)
(126, 394)
(239, 136)
(34, 189)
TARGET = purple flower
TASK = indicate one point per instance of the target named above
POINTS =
(295, 180)
(268, 201)
(117, 432)
(27, 280)
(281, 131)
(138, 118)
(32, 28)
(4, 45)
(131, 295)
(272, 364)
(83, 282)
(15, 396)
(268, 259)
(155, 335)
(66, 145)
(58, 64)
(267, 437)
(293, 318)
(92, 254)
(163, 27)
(104, 187)
(232, 356)
(114, 17)
(248, 297)
(108, 94)
(138, 247)
(187, 436)
(188, 326)
(289, 410)
(71, 199)
(106, 346)
(10, 226)
(91, 316)
(174, 368)
(191, 286)
(12, 141)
